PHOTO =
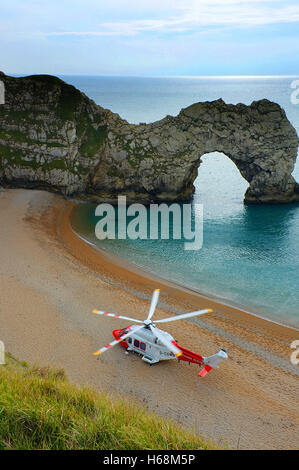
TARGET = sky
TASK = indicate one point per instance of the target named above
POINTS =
(150, 37)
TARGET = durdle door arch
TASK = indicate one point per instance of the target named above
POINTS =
(163, 158)
(54, 136)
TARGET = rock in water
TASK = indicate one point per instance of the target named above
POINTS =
(53, 136)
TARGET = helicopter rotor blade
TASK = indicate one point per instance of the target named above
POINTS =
(99, 312)
(185, 315)
(176, 351)
(116, 341)
(154, 302)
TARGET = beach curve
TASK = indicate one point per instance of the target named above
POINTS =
(50, 282)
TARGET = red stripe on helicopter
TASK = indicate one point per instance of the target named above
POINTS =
(189, 356)
(108, 346)
(205, 370)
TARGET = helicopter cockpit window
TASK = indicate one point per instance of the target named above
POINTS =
(129, 340)
(123, 332)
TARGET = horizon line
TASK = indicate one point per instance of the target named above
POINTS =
(155, 76)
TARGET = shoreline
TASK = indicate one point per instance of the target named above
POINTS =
(50, 281)
(128, 274)
(225, 319)
(132, 267)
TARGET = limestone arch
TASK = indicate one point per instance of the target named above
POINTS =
(161, 160)
(258, 139)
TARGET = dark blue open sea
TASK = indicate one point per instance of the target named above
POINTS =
(250, 255)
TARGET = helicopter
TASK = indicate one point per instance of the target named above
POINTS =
(154, 345)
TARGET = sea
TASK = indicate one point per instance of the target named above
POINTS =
(250, 254)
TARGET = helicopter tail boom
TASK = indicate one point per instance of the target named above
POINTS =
(189, 356)
(209, 363)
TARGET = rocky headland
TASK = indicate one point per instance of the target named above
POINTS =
(53, 136)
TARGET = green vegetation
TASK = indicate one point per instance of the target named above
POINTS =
(70, 97)
(69, 102)
(132, 162)
(113, 172)
(40, 409)
(51, 79)
(16, 158)
(138, 153)
(20, 149)
(94, 139)
(21, 137)
(57, 164)
(18, 117)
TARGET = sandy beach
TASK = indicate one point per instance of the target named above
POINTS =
(51, 280)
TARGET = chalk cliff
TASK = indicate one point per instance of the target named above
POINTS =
(53, 136)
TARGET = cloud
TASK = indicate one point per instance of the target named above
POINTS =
(131, 28)
(193, 15)
(153, 37)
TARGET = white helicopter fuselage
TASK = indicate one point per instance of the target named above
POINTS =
(147, 345)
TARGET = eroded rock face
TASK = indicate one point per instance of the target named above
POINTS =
(52, 135)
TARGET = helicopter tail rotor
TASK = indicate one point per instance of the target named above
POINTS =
(212, 362)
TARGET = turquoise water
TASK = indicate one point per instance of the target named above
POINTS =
(250, 254)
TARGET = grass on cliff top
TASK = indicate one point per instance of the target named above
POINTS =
(40, 409)
(69, 99)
